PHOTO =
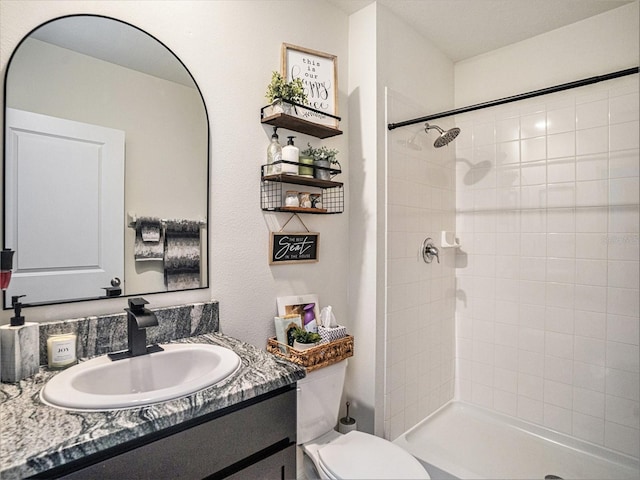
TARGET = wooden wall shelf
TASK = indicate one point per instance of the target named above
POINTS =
(300, 125)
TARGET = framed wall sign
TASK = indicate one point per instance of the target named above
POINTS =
(287, 247)
(319, 74)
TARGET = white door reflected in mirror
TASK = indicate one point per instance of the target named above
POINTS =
(65, 182)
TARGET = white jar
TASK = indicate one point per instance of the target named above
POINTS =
(291, 199)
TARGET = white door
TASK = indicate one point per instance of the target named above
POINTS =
(64, 207)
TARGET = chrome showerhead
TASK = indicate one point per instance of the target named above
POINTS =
(445, 137)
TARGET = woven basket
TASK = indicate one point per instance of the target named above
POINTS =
(316, 357)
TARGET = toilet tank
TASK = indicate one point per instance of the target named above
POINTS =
(319, 395)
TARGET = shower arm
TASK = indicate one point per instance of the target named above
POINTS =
(428, 127)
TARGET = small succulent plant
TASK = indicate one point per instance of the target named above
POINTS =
(303, 336)
(322, 153)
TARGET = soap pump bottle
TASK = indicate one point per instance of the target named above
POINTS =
(274, 154)
(20, 346)
(290, 153)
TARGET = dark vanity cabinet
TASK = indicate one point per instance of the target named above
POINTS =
(255, 439)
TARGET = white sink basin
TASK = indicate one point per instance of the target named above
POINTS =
(102, 384)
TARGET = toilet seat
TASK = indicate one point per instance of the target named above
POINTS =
(361, 455)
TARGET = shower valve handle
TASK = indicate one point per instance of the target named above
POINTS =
(429, 250)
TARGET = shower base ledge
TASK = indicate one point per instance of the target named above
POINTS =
(465, 441)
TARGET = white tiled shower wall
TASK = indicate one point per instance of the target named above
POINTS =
(547, 279)
(420, 301)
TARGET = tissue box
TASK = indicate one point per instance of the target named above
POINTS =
(332, 334)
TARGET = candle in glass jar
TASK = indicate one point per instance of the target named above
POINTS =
(61, 350)
(305, 200)
(316, 200)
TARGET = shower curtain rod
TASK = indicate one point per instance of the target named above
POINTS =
(515, 98)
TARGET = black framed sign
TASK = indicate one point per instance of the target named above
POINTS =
(289, 247)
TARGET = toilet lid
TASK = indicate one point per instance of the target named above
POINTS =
(360, 455)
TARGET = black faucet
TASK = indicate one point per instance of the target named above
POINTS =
(139, 319)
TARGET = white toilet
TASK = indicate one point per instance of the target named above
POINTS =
(355, 455)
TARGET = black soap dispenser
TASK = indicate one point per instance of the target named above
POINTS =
(19, 346)
(17, 320)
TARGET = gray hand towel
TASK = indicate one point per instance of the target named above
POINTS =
(182, 254)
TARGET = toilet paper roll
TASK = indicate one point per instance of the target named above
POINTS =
(346, 425)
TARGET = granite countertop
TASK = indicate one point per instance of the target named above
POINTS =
(35, 437)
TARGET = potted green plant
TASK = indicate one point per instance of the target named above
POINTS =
(280, 91)
(303, 340)
(322, 157)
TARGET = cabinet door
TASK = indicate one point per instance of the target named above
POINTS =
(281, 465)
(221, 446)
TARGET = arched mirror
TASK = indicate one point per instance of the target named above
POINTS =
(106, 161)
